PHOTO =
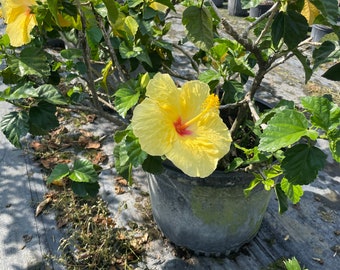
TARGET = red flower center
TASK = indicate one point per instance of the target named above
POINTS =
(181, 128)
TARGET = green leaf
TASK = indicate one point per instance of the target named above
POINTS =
(85, 189)
(128, 52)
(334, 143)
(329, 9)
(293, 192)
(325, 115)
(246, 4)
(167, 3)
(292, 264)
(295, 28)
(305, 63)
(112, 10)
(153, 165)
(128, 153)
(42, 118)
(302, 163)
(93, 37)
(72, 54)
(134, 3)
(121, 134)
(53, 8)
(285, 128)
(4, 40)
(83, 171)
(144, 56)
(236, 162)
(106, 71)
(321, 54)
(291, 26)
(130, 26)
(24, 91)
(9, 77)
(277, 29)
(135, 153)
(199, 26)
(125, 99)
(209, 75)
(122, 166)
(281, 198)
(257, 180)
(51, 94)
(14, 126)
(333, 73)
(32, 61)
(59, 172)
(233, 91)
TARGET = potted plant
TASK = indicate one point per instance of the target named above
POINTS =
(235, 8)
(260, 9)
(319, 27)
(319, 31)
(202, 137)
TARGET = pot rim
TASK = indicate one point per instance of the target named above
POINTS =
(218, 178)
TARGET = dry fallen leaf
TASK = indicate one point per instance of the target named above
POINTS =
(106, 221)
(38, 147)
(83, 140)
(99, 157)
(59, 182)
(93, 145)
(50, 162)
(119, 190)
(90, 118)
(42, 205)
(61, 130)
(121, 181)
(320, 261)
(62, 222)
(86, 133)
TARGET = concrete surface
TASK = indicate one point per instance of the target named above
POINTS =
(24, 238)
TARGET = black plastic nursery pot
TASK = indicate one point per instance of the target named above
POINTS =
(235, 8)
(259, 10)
(319, 30)
(210, 216)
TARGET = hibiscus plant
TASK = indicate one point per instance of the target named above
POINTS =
(118, 59)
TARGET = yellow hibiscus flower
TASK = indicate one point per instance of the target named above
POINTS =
(19, 19)
(183, 124)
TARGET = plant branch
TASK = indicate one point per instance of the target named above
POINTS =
(114, 119)
(87, 53)
(112, 51)
(272, 12)
(260, 19)
(241, 115)
(193, 62)
(175, 74)
(246, 43)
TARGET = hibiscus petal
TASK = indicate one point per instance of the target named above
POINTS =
(182, 124)
(154, 127)
(193, 95)
(19, 31)
(163, 89)
(20, 21)
(198, 155)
